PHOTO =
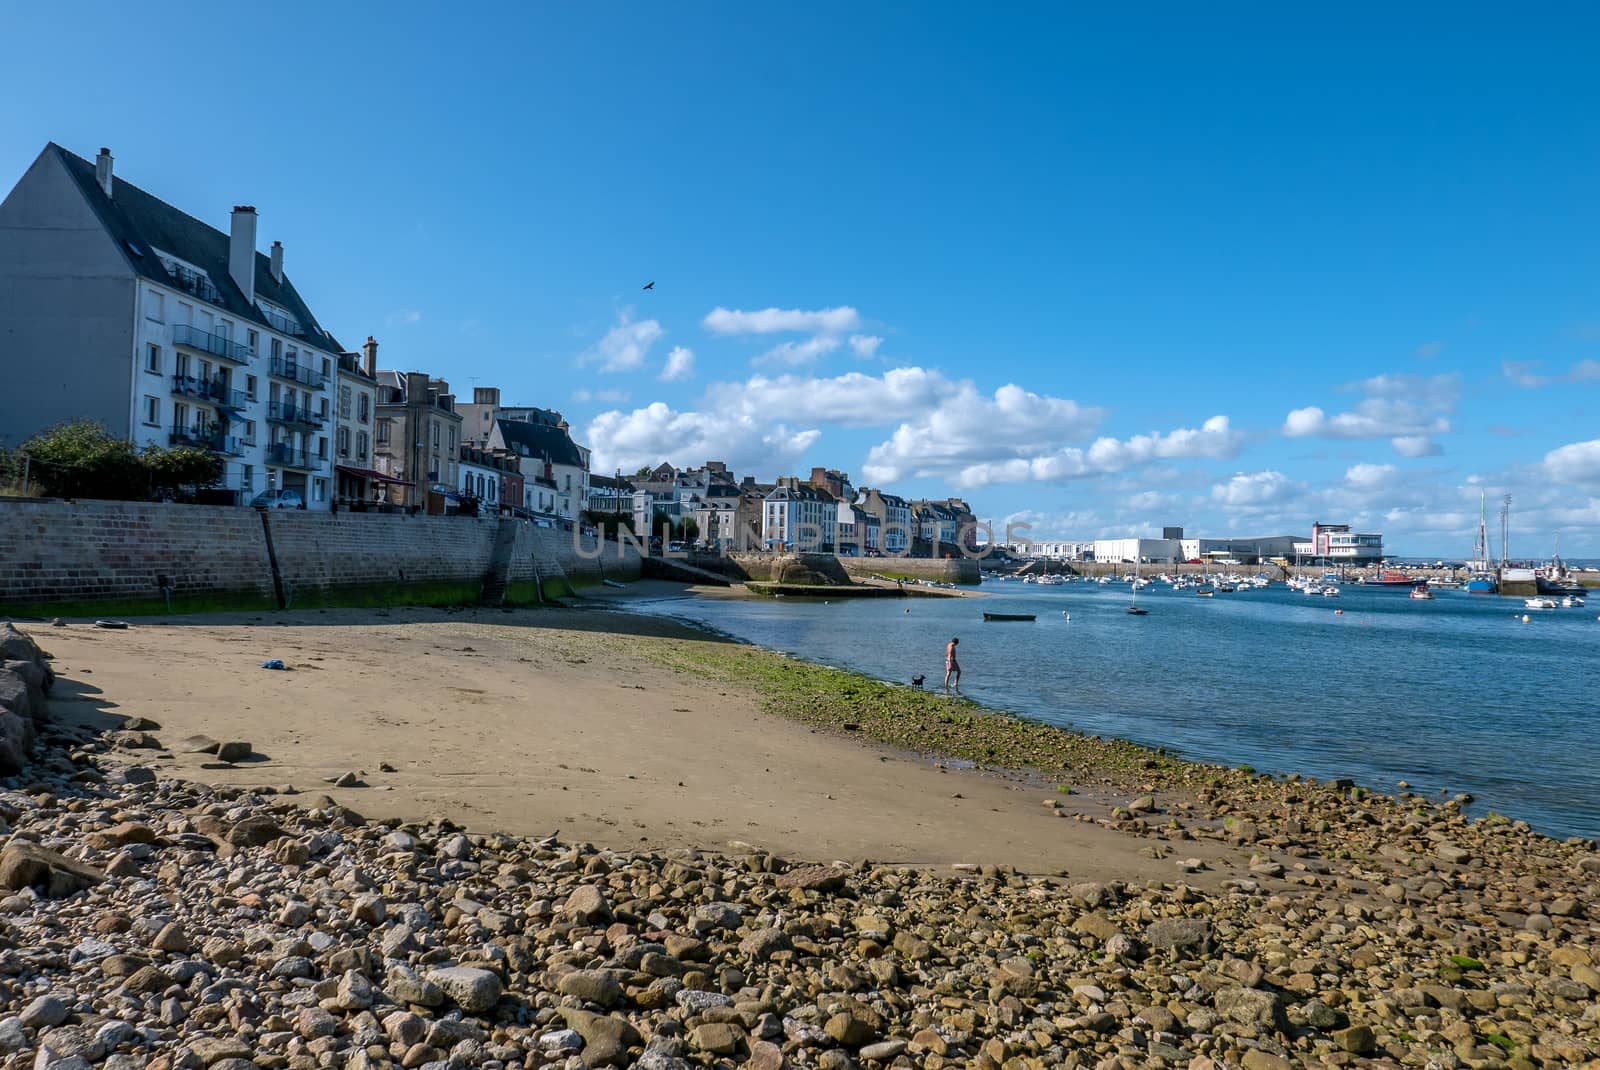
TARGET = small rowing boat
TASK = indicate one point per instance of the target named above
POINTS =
(1008, 616)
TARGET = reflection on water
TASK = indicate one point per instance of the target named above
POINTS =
(1456, 694)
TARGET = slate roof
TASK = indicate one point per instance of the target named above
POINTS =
(138, 220)
(540, 440)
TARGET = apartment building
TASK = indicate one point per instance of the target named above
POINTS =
(356, 482)
(124, 309)
(417, 438)
(799, 516)
(541, 438)
(894, 518)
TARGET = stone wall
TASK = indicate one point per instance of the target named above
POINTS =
(826, 568)
(54, 551)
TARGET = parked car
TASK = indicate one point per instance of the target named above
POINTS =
(278, 499)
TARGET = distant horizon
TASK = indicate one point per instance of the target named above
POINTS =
(1085, 269)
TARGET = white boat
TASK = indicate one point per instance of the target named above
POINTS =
(1330, 592)
(1421, 593)
(1539, 603)
(1572, 601)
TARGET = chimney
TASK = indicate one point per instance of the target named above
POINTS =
(277, 261)
(102, 171)
(369, 357)
(242, 250)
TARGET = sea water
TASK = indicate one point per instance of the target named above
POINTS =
(1452, 695)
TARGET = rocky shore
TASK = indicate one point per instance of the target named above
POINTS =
(150, 922)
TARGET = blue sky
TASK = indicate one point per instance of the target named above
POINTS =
(1237, 269)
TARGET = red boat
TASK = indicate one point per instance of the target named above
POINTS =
(1391, 579)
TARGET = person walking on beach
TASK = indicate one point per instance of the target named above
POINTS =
(952, 668)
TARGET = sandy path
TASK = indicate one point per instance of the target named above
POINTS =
(543, 720)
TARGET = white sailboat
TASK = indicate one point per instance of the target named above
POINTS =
(1133, 591)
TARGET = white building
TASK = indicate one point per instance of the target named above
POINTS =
(121, 308)
(1336, 542)
(1136, 551)
(550, 458)
(895, 524)
(798, 516)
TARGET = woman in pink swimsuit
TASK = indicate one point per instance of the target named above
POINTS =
(952, 668)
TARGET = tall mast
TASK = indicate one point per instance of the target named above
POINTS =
(1480, 549)
(1505, 530)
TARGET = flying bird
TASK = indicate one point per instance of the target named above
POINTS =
(651, 285)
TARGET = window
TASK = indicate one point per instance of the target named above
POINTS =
(361, 445)
(325, 367)
(383, 432)
(322, 446)
(185, 312)
(180, 415)
(344, 403)
(361, 409)
(152, 358)
(344, 442)
(225, 330)
(436, 436)
(152, 306)
(250, 432)
(277, 348)
(247, 477)
(319, 487)
(250, 386)
(251, 340)
(152, 411)
(452, 439)
(182, 362)
(322, 407)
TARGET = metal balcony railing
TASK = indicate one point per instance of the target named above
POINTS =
(296, 372)
(287, 412)
(283, 324)
(286, 456)
(209, 390)
(205, 342)
(215, 441)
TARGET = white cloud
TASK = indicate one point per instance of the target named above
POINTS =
(647, 436)
(1415, 446)
(854, 399)
(624, 346)
(865, 346)
(1523, 374)
(1366, 476)
(679, 366)
(1252, 489)
(779, 320)
(974, 438)
(1403, 408)
(584, 395)
(796, 353)
(1578, 462)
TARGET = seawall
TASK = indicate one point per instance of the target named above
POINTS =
(133, 556)
(827, 569)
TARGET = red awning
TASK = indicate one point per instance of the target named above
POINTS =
(376, 477)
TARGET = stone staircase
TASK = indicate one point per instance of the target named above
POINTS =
(498, 576)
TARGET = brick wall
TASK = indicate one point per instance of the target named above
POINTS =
(61, 551)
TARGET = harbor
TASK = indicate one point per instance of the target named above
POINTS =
(1454, 694)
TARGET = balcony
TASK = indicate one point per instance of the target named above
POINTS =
(283, 324)
(209, 390)
(214, 441)
(287, 412)
(296, 372)
(286, 456)
(215, 344)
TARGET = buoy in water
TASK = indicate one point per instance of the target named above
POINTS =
(1066, 615)
(1526, 618)
(1338, 613)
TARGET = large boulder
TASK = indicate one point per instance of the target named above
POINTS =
(24, 864)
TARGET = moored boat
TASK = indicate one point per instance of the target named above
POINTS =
(1008, 616)
(1390, 579)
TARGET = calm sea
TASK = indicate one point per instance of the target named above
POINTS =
(1452, 695)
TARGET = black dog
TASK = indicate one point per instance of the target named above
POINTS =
(916, 681)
